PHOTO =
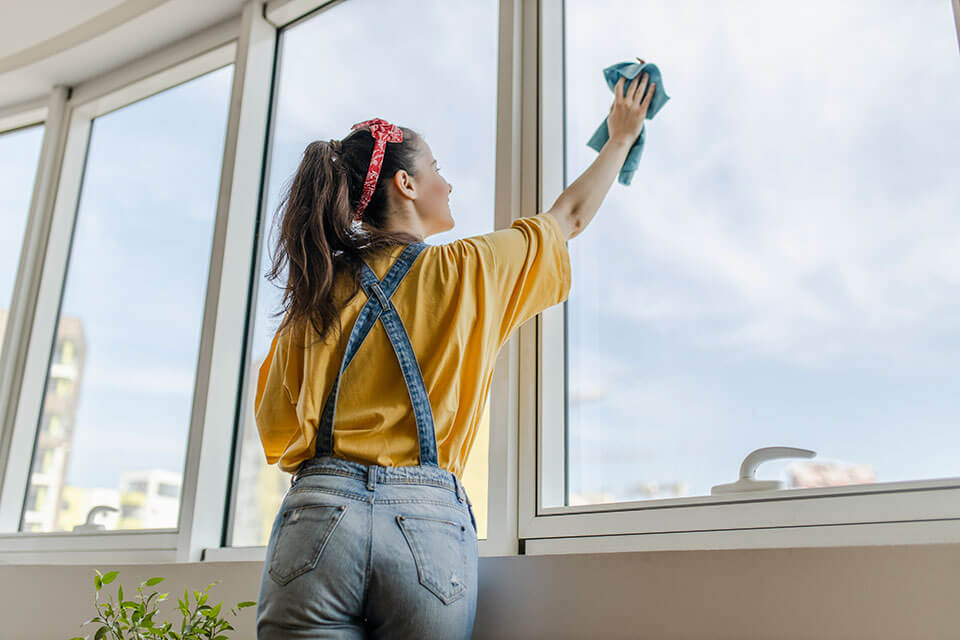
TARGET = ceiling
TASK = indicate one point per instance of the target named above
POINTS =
(44, 43)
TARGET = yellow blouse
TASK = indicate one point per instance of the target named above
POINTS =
(460, 302)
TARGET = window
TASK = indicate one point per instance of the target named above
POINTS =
(43, 461)
(33, 498)
(137, 486)
(792, 264)
(65, 352)
(420, 98)
(122, 365)
(55, 424)
(168, 490)
(64, 387)
(19, 155)
(782, 269)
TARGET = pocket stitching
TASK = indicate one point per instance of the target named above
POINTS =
(418, 556)
(284, 579)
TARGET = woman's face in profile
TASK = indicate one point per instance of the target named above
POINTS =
(433, 206)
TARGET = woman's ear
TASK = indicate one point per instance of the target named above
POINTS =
(404, 183)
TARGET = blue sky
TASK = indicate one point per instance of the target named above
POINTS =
(788, 269)
(782, 271)
(137, 276)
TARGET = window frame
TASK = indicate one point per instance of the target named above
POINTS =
(46, 112)
(501, 537)
(529, 170)
(207, 501)
(912, 512)
(69, 116)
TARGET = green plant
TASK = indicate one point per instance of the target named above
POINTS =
(133, 620)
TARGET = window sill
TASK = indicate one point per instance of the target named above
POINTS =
(812, 536)
(912, 533)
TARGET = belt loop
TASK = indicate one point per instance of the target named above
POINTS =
(460, 491)
(294, 475)
(371, 476)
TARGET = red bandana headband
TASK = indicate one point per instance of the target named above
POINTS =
(382, 132)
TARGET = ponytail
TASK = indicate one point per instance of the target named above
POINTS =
(318, 237)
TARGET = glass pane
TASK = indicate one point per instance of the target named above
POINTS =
(19, 155)
(119, 389)
(431, 43)
(783, 269)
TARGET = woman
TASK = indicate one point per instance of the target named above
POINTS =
(376, 536)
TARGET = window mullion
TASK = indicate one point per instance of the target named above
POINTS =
(207, 482)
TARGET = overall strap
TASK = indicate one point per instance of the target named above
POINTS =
(380, 306)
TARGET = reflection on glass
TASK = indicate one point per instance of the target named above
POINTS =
(324, 101)
(112, 434)
(19, 155)
(783, 270)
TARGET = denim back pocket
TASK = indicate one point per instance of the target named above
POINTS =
(303, 534)
(438, 550)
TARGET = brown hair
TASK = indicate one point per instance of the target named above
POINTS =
(318, 237)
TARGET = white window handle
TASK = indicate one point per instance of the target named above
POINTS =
(90, 525)
(747, 482)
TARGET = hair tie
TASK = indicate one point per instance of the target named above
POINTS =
(382, 132)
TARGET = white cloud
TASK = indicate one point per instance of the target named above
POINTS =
(789, 204)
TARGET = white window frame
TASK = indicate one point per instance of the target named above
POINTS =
(39, 287)
(527, 385)
(914, 512)
(250, 42)
(46, 112)
(501, 537)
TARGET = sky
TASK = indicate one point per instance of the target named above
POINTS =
(789, 267)
(783, 269)
(137, 276)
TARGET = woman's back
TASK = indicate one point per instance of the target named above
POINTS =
(459, 304)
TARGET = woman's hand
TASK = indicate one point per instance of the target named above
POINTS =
(629, 108)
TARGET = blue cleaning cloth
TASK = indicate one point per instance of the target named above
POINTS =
(630, 70)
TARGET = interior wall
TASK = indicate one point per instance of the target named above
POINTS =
(876, 592)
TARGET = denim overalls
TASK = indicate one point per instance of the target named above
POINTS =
(359, 550)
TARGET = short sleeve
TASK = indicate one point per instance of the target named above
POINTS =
(516, 272)
(275, 413)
